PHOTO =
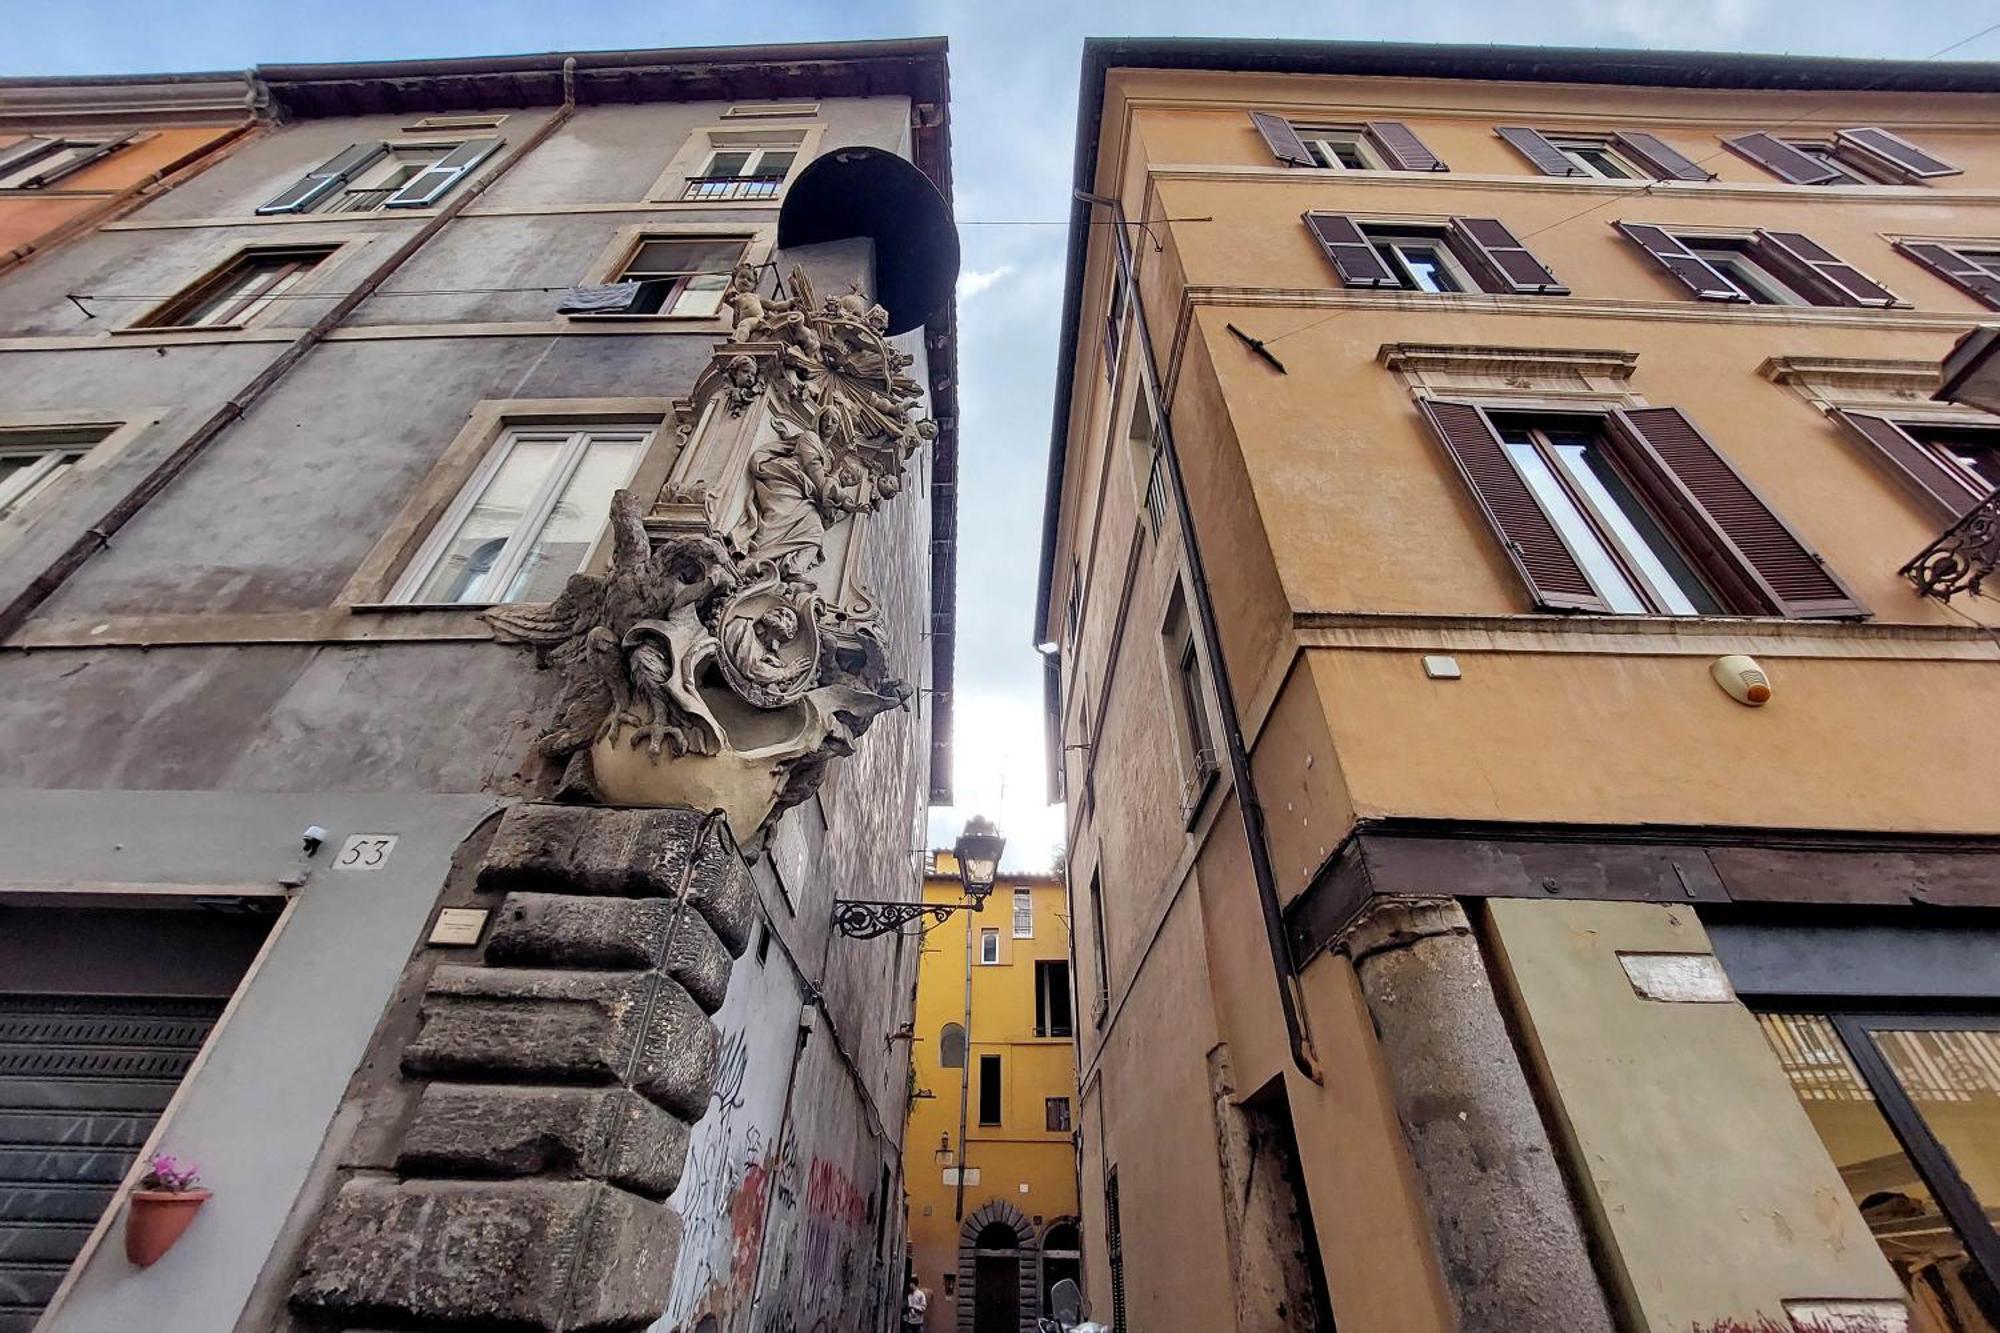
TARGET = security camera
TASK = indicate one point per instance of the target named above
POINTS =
(312, 838)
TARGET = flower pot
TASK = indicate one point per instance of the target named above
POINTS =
(155, 1219)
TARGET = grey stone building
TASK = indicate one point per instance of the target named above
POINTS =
(324, 859)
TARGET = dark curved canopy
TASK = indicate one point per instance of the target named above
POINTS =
(868, 192)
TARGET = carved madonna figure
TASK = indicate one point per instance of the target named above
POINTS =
(717, 663)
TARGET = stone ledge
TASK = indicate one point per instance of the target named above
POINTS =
(459, 1255)
(564, 930)
(601, 1133)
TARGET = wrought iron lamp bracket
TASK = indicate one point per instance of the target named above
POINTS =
(865, 918)
(1963, 555)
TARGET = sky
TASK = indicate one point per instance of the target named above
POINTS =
(1014, 68)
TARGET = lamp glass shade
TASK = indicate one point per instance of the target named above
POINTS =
(979, 848)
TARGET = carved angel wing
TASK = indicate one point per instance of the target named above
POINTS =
(800, 289)
(630, 546)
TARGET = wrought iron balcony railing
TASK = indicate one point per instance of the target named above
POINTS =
(711, 189)
(1963, 555)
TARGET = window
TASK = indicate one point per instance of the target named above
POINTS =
(989, 946)
(1953, 465)
(34, 459)
(457, 123)
(989, 1089)
(1114, 323)
(1631, 511)
(1052, 998)
(1453, 255)
(1908, 1107)
(680, 276)
(770, 110)
(1339, 150)
(1627, 556)
(1055, 1111)
(1973, 267)
(240, 290)
(1375, 145)
(1761, 268)
(1099, 949)
(364, 177)
(1024, 914)
(1190, 692)
(746, 171)
(1864, 155)
(1114, 1250)
(951, 1047)
(1618, 155)
(1421, 263)
(37, 161)
(528, 519)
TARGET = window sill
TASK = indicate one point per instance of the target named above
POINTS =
(180, 328)
(675, 321)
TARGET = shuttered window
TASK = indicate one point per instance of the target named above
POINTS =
(1821, 272)
(1765, 268)
(1856, 156)
(1618, 155)
(1372, 145)
(1975, 270)
(1631, 512)
(364, 177)
(38, 161)
(1688, 268)
(1953, 467)
(1462, 255)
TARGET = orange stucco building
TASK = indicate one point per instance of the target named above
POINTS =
(1530, 859)
(79, 152)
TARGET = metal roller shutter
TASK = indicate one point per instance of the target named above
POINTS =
(83, 1079)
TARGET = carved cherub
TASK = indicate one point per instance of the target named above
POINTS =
(754, 312)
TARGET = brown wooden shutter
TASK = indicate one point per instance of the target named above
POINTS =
(1354, 259)
(1401, 148)
(1875, 144)
(1673, 256)
(1954, 268)
(1539, 555)
(1910, 461)
(1820, 270)
(1283, 140)
(1659, 157)
(26, 149)
(1509, 266)
(1742, 542)
(1781, 159)
(1545, 156)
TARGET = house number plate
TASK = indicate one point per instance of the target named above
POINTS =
(365, 851)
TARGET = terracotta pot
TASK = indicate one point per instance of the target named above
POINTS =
(155, 1219)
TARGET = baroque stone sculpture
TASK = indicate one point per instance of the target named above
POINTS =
(725, 658)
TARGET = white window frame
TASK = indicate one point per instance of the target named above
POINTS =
(52, 462)
(1320, 140)
(66, 153)
(1705, 248)
(770, 110)
(1379, 237)
(433, 124)
(207, 288)
(1024, 911)
(1572, 147)
(508, 563)
(989, 946)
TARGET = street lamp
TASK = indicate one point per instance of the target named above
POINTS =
(978, 853)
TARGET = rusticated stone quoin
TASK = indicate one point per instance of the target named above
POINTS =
(569, 1066)
(603, 1134)
(558, 930)
(457, 1254)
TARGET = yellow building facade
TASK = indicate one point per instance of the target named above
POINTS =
(1531, 861)
(998, 1058)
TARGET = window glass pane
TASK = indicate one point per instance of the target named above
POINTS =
(1597, 562)
(572, 527)
(700, 295)
(727, 164)
(1988, 261)
(1427, 268)
(1953, 1076)
(1646, 546)
(989, 1089)
(776, 162)
(662, 256)
(989, 946)
(502, 506)
(1024, 915)
(1920, 1245)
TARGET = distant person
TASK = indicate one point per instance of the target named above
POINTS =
(916, 1304)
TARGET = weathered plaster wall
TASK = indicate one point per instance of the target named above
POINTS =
(1708, 1187)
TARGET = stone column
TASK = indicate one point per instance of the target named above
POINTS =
(557, 1079)
(1508, 1236)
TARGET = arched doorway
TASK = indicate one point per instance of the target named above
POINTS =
(998, 1276)
(1062, 1255)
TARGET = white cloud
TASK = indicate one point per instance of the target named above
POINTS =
(1703, 24)
(972, 282)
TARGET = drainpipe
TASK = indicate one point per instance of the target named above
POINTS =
(98, 535)
(964, 1072)
(1247, 804)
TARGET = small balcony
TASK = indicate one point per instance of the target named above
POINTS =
(723, 189)
(1962, 557)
